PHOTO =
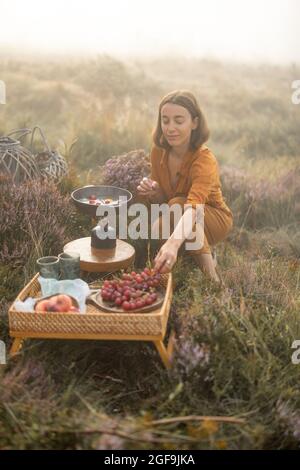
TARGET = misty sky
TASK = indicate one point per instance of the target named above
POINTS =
(264, 30)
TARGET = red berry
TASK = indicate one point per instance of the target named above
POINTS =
(126, 305)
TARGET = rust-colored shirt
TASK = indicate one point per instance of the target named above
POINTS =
(198, 180)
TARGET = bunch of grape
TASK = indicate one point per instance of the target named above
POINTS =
(126, 171)
(133, 291)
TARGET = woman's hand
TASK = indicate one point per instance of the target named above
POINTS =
(166, 257)
(148, 187)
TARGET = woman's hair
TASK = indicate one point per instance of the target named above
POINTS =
(186, 99)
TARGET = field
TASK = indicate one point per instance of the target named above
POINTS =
(233, 377)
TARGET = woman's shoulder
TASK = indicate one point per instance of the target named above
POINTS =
(155, 149)
(204, 153)
(156, 154)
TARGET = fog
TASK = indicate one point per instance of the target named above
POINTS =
(256, 30)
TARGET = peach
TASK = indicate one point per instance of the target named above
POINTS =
(57, 303)
(41, 306)
(63, 303)
(74, 309)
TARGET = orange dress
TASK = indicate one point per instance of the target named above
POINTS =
(198, 183)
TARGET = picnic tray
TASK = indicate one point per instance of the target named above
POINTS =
(94, 324)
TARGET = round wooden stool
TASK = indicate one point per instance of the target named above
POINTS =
(99, 261)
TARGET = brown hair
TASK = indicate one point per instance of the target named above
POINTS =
(186, 99)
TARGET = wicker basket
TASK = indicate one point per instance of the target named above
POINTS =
(91, 324)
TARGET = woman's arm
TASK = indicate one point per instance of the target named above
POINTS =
(167, 255)
(151, 187)
(151, 190)
(203, 173)
(184, 228)
(157, 196)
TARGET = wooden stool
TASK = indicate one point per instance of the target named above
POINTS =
(100, 261)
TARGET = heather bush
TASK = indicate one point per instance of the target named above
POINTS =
(260, 203)
(35, 220)
(126, 171)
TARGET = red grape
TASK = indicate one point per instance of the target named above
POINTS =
(129, 290)
(149, 300)
(126, 305)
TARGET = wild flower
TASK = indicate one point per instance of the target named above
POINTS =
(190, 355)
(290, 418)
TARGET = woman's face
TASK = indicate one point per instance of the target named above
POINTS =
(177, 124)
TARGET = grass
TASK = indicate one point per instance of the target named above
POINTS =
(233, 385)
(233, 360)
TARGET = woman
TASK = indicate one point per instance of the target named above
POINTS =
(185, 171)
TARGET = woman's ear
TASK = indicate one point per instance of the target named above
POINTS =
(195, 123)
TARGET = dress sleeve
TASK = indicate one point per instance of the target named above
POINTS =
(203, 173)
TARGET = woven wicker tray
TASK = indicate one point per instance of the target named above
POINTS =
(91, 324)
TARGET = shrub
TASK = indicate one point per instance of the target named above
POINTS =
(260, 203)
(126, 171)
(34, 221)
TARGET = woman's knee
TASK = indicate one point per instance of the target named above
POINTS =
(217, 225)
(177, 200)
